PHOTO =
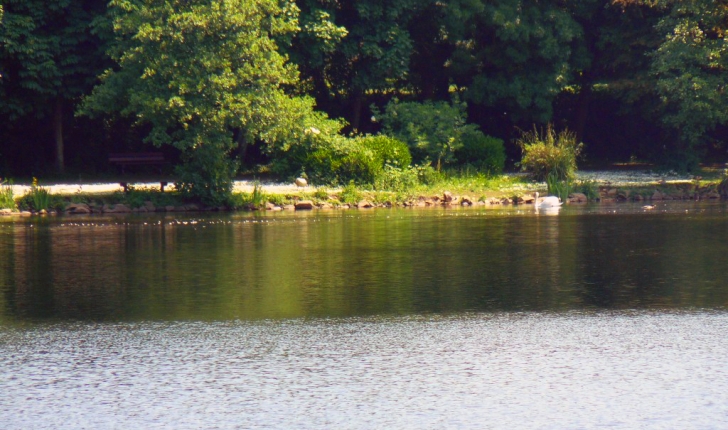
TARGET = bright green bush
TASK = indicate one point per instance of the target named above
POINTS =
(547, 152)
(486, 153)
(391, 151)
(340, 160)
(206, 176)
(432, 130)
(396, 179)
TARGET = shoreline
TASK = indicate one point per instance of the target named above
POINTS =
(607, 186)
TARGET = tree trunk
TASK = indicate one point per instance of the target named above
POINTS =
(582, 107)
(356, 115)
(58, 132)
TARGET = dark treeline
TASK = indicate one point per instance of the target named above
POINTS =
(641, 79)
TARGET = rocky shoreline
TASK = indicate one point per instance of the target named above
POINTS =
(607, 194)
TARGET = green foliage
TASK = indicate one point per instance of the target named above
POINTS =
(397, 179)
(335, 160)
(46, 51)
(547, 152)
(484, 152)
(7, 197)
(691, 67)
(350, 194)
(430, 129)
(198, 73)
(253, 200)
(559, 186)
(206, 176)
(588, 187)
(390, 151)
(513, 54)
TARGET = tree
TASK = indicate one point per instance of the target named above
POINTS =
(691, 67)
(200, 72)
(48, 59)
(512, 54)
(358, 48)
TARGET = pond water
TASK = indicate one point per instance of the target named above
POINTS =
(600, 316)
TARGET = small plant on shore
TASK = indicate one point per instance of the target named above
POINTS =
(589, 188)
(547, 152)
(350, 194)
(560, 188)
(321, 194)
(7, 198)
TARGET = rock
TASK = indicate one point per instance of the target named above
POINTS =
(191, 207)
(528, 198)
(25, 213)
(364, 204)
(345, 206)
(447, 197)
(78, 208)
(289, 207)
(169, 208)
(301, 182)
(304, 205)
(276, 208)
(269, 206)
(466, 201)
(657, 195)
(577, 198)
(150, 206)
(325, 206)
(6, 211)
(120, 208)
(712, 195)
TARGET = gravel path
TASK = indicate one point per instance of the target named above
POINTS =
(615, 178)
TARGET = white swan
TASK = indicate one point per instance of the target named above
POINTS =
(547, 202)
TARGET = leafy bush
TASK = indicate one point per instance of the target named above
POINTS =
(206, 175)
(389, 150)
(7, 198)
(350, 194)
(486, 153)
(547, 153)
(395, 179)
(432, 130)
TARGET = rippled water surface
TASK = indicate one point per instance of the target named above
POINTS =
(598, 317)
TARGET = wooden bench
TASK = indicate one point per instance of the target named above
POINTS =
(138, 158)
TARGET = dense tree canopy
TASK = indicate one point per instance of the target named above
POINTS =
(209, 78)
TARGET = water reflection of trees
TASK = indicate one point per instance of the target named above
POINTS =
(357, 264)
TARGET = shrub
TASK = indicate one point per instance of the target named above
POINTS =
(395, 179)
(549, 153)
(486, 153)
(350, 194)
(389, 150)
(432, 130)
(206, 175)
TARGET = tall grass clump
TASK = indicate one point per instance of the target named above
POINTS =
(40, 196)
(549, 153)
(7, 198)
